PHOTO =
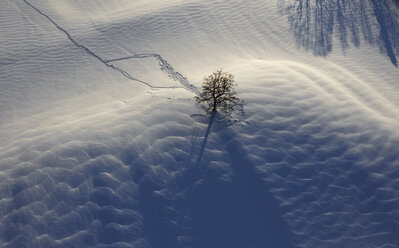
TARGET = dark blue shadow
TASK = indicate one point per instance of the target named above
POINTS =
(203, 208)
(316, 22)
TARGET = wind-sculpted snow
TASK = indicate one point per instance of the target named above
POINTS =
(328, 160)
(163, 63)
(60, 63)
(91, 158)
(311, 170)
(60, 192)
(87, 50)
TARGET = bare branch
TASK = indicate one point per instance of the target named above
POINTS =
(218, 92)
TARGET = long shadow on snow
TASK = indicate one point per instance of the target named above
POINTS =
(203, 208)
(315, 23)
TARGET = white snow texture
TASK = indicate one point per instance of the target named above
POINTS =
(103, 145)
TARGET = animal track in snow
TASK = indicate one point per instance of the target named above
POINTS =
(165, 66)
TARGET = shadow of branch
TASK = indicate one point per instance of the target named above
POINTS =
(316, 23)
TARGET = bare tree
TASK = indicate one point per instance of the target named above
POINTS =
(218, 92)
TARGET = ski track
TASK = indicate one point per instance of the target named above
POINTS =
(165, 66)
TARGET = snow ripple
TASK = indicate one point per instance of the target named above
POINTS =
(165, 66)
(316, 166)
(328, 159)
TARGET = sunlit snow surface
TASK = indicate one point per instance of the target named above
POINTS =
(102, 144)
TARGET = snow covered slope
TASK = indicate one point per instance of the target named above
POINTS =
(102, 144)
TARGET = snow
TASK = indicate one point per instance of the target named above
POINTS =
(103, 145)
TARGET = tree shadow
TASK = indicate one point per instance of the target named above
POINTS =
(235, 116)
(238, 211)
(208, 130)
(316, 23)
(203, 207)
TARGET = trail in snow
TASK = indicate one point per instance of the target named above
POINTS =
(121, 173)
(165, 66)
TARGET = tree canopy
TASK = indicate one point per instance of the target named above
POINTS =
(218, 92)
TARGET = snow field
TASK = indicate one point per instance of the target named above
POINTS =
(96, 152)
(59, 191)
(329, 160)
